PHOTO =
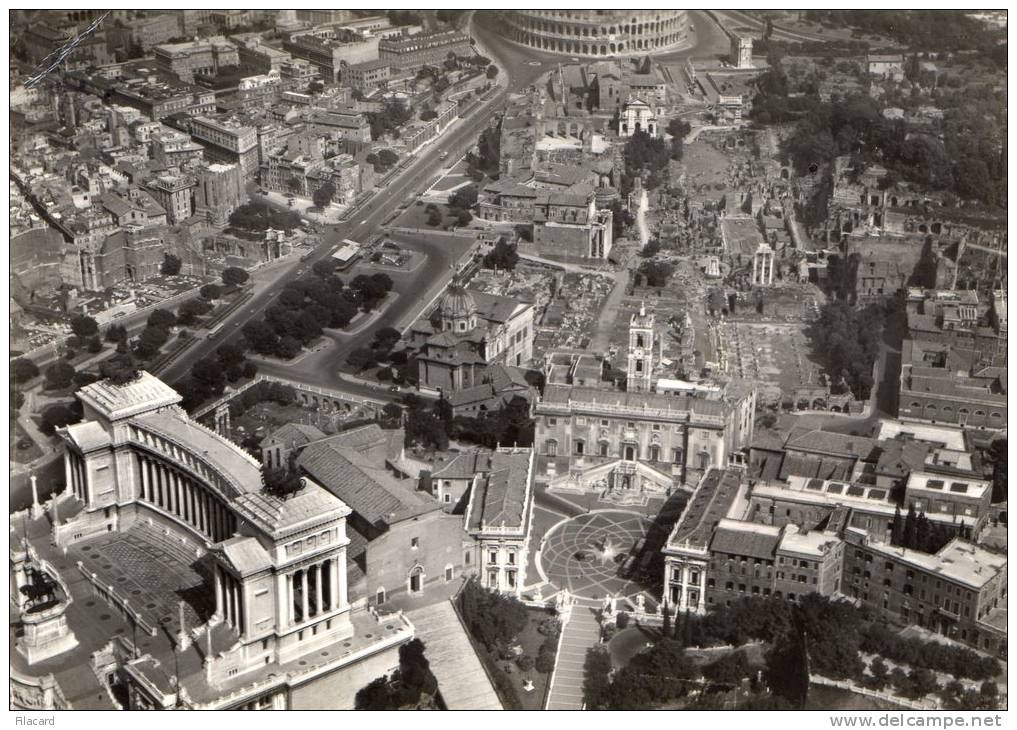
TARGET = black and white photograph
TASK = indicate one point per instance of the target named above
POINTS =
(509, 359)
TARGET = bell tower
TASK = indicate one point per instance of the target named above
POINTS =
(640, 366)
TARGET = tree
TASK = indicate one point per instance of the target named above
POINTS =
(729, 669)
(170, 265)
(502, 256)
(210, 292)
(786, 670)
(492, 71)
(324, 268)
(295, 185)
(150, 340)
(58, 375)
(94, 344)
(596, 682)
(361, 359)
(119, 369)
(55, 416)
(23, 370)
(997, 457)
(322, 197)
(880, 673)
(83, 326)
(465, 197)
(162, 319)
(897, 531)
(922, 682)
(494, 619)
(387, 158)
(192, 309)
(386, 338)
(434, 218)
(234, 276)
(282, 482)
(911, 528)
(116, 333)
(463, 217)
(665, 628)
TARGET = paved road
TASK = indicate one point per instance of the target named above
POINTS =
(363, 224)
(522, 67)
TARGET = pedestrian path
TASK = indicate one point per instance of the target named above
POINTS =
(580, 633)
(462, 681)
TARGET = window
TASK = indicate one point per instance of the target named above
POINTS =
(467, 558)
(492, 557)
(448, 498)
(379, 596)
(552, 421)
(603, 422)
(449, 573)
(414, 543)
(579, 446)
(511, 557)
(603, 448)
(551, 447)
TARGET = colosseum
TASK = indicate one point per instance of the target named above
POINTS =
(597, 32)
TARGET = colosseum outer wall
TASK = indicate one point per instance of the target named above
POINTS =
(597, 33)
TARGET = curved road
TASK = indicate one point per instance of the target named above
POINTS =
(522, 66)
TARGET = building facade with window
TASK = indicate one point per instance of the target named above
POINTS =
(595, 434)
(149, 495)
(498, 518)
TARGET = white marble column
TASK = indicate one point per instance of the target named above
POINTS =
(219, 608)
(338, 583)
(231, 598)
(316, 571)
(238, 602)
(303, 595)
(68, 480)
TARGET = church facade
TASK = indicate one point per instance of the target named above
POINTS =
(471, 331)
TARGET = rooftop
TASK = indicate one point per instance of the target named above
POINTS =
(959, 560)
(710, 503)
(115, 402)
(500, 499)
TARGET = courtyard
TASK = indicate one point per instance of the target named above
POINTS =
(596, 554)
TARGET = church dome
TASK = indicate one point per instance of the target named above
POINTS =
(457, 303)
(458, 310)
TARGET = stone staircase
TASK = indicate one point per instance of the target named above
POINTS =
(580, 633)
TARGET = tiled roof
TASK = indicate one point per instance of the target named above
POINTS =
(499, 500)
(826, 442)
(745, 538)
(463, 466)
(708, 505)
(294, 434)
(370, 492)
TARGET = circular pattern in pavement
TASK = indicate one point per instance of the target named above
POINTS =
(585, 555)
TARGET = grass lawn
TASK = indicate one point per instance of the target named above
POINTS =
(19, 439)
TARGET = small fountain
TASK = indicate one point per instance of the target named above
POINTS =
(607, 551)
